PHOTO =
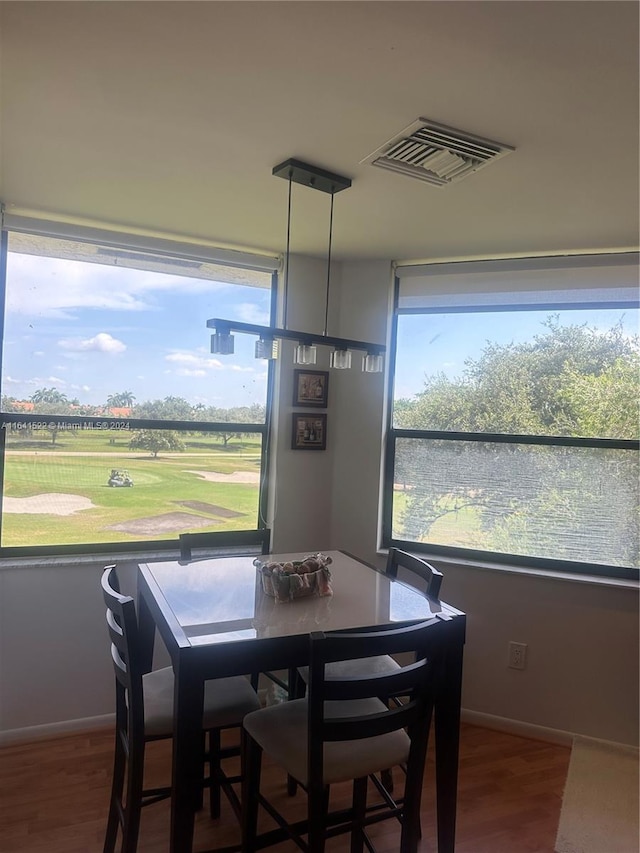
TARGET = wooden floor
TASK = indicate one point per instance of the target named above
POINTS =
(54, 795)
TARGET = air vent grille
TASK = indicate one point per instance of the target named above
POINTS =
(435, 153)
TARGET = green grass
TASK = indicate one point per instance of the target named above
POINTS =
(108, 441)
(159, 485)
(461, 528)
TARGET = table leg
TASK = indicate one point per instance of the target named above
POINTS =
(447, 738)
(146, 633)
(187, 758)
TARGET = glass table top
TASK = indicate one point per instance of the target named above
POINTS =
(221, 600)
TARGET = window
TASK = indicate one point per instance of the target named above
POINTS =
(120, 429)
(514, 425)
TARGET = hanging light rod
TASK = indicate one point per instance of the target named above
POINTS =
(267, 346)
(225, 327)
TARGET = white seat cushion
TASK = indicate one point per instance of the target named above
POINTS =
(226, 701)
(359, 666)
(281, 731)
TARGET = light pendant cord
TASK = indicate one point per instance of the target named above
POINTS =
(286, 269)
(326, 309)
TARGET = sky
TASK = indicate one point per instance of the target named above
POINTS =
(92, 330)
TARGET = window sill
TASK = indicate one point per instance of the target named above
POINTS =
(591, 580)
(60, 560)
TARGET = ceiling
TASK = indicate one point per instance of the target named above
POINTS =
(169, 117)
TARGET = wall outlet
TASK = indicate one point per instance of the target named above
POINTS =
(517, 655)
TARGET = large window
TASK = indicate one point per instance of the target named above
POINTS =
(514, 432)
(120, 429)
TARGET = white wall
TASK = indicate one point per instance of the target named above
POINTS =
(583, 639)
(299, 514)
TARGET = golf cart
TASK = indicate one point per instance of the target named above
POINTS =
(120, 477)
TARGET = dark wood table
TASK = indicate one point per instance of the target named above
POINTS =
(215, 621)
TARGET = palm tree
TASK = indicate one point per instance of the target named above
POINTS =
(124, 398)
(49, 395)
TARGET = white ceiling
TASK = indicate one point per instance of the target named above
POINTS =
(169, 116)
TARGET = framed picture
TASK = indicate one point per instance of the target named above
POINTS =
(310, 388)
(309, 432)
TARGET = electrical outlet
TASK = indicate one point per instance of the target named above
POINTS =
(517, 655)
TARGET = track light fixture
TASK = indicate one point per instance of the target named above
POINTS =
(295, 171)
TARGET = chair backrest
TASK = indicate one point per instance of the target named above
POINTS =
(430, 578)
(122, 625)
(415, 681)
(225, 543)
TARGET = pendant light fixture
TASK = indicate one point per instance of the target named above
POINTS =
(305, 352)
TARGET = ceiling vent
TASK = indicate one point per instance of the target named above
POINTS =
(435, 153)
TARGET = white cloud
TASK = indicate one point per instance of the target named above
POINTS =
(59, 286)
(56, 380)
(242, 369)
(11, 381)
(247, 312)
(102, 342)
(185, 371)
(190, 361)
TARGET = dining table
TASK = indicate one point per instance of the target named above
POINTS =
(216, 620)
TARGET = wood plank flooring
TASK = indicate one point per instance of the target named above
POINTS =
(54, 796)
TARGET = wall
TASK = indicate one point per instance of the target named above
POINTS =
(582, 673)
(299, 514)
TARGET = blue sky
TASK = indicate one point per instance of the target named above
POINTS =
(434, 343)
(92, 330)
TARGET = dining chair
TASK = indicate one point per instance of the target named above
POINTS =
(421, 574)
(144, 713)
(345, 730)
(225, 543)
(428, 580)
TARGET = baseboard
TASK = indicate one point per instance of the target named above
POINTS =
(476, 718)
(52, 730)
(517, 727)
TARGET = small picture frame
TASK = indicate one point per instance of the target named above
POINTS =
(309, 431)
(311, 388)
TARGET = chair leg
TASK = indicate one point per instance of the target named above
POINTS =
(318, 805)
(135, 777)
(214, 771)
(117, 789)
(386, 777)
(251, 766)
(411, 828)
(359, 814)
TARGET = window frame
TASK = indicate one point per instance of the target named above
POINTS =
(556, 566)
(219, 538)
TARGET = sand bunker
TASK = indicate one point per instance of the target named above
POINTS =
(49, 504)
(252, 477)
(211, 509)
(169, 522)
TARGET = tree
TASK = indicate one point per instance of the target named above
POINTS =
(538, 387)
(49, 395)
(50, 401)
(155, 440)
(254, 414)
(168, 409)
(8, 404)
(122, 400)
(526, 499)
